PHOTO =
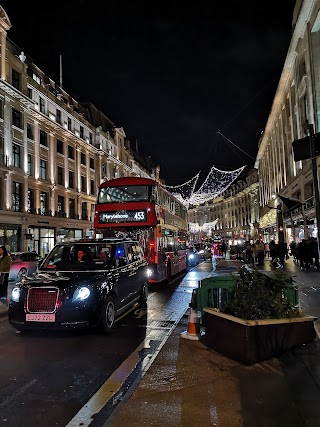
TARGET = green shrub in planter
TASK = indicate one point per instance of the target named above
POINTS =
(259, 296)
(259, 322)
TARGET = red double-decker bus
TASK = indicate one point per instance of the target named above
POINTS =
(142, 209)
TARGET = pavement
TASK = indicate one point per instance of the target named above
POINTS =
(190, 385)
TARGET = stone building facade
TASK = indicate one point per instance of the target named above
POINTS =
(54, 152)
(295, 107)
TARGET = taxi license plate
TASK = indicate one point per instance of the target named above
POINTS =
(40, 317)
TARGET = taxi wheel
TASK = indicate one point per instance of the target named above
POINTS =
(144, 295)
(107, 316)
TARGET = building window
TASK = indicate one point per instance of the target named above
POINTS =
(92, 187)
(43, 169)
(58, 116)
(43, 138)
(59, 146)
(60, 175)
(29, 131)
(30, 92)
(83, 184)
(83, 159)
(84, 211)
(90, 138)
(16, 118)
(71, 179)
(70, 152)
(72, 208)
(91, 163)
(16, 196)
(103, 169)
(30, 202)
(44, 203)
(16, 155)
(30, 168)
(36, 78)
(69, 124)
(42, 105)
(81, 132)
(15, 79)
(61, 204)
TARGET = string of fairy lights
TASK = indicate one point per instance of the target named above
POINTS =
(216, 182)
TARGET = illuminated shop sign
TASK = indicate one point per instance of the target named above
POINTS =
(123, 216)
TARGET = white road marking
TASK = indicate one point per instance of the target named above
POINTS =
(113, 384)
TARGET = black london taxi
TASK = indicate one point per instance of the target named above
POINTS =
(81, 284)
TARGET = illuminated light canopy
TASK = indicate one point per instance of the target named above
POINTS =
(215, 183)
(184, 191)
(194, 227)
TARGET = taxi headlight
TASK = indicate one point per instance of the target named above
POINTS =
(81, 294)
(191, 256)
(149, 272)
(15, 294)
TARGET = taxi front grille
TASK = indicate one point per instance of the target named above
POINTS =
(42, 300)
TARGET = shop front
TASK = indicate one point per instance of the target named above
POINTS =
(10, 237)
(40, 239)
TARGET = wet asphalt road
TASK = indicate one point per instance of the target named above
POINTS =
(73, 378)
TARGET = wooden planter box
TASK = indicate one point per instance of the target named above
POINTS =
(252, 341)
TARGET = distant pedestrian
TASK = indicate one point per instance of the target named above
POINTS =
(282, 252)
(267, 250)
(5, 264)
(224, 249)
(260, 251)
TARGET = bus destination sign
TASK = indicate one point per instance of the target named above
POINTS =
(123, 216)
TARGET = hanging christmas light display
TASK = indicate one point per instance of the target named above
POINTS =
(216, 182)
(184, 191)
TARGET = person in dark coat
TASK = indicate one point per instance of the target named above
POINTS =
(293, 250)
(5, 264)
(314, 252)
(282, 252)
(273, 251)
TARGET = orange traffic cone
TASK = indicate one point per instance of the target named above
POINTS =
(193, 329)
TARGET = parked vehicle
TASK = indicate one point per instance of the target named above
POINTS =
(23, 264)
(81, 284)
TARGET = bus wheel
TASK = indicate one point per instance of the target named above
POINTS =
(107, 315)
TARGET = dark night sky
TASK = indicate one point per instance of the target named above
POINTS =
(171, 73)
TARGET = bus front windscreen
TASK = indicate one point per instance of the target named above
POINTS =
(132, 193)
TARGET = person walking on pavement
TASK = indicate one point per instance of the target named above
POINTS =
(267, 250)
(273, 252)
(282, 253)
(260, 251)
(293, 250)
(223, 249)
(5, 264)
(303, 255)
(314, 252)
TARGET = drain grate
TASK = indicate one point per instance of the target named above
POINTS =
(161, 324)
